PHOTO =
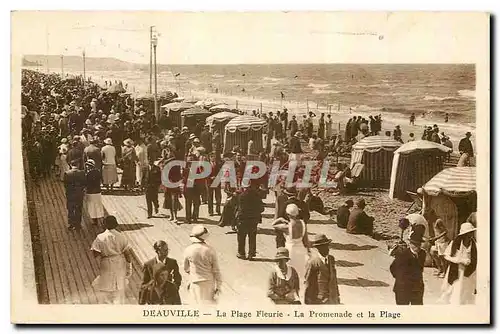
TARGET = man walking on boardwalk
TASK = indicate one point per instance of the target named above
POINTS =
(321, 286)
(152, 181)
(74, 182)
(202, 266)
(248, 215)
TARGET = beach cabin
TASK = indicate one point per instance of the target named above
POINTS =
(174, 110)
(241, 129)
(376, 154)
(193, 117)
(414, 164)
(219, 120)
(450, 195)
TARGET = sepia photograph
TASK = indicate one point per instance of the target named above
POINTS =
(250, 167)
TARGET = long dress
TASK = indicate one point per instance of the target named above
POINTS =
(129, 158)
(298, 252)
(112, 279)
(462, 291)
(109, 172)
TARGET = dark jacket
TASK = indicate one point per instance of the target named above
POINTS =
(206, 140)
(151, 178)
(465, 146)
(75, 182)
(93, 152)
(282, 202)
(75, 153)
(249, 207)
(153, 151)
(359, 222)
(407, 270)
(295, 145)
(93, 182)
(321, 281)
(343, 216)
(169, 293)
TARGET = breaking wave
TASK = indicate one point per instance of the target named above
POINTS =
(312, 85)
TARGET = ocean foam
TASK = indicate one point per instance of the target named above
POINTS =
(471, 94)
(217, 76)
(313, 85)
(271, 79)
(325, 91)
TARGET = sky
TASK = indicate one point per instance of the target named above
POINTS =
(249, 38)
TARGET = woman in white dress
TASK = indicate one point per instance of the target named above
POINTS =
(109, 172)
(113, 252)
(460, 282)
(63, 161)
(296, 239)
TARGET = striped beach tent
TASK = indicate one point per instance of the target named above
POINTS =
(241, 129)
(414, 164)
(451, 195)
(454, 182)
(219, 120)
(376, 154)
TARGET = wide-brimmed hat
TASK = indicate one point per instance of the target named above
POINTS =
(198, 233)
(292, 210)
(319, 240)
(185, 128)
(192, 136)
(128, 142)
(196, 140)
(298, 134)
(108, 141)
(282, 254)
(466, 228)
(170, 133)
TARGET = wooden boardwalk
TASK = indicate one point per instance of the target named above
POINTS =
(68, 265)
(362, 262)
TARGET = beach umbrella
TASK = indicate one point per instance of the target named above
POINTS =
(220, 107)
(195, 111)
(454, 182)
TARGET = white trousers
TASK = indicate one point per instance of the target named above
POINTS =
(202, 292)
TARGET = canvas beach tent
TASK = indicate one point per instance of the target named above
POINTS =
(376, 154)
(219, 120)
(414, 164)
(451, 195)
(241, 129)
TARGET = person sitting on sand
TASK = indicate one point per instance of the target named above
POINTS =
(343, 213)
(359, 222)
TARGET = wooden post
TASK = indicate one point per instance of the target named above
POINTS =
(261, 107)
(307, 104)
(236, 104)
(317, 105)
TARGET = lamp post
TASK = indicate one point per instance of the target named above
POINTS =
(154, 41)
(62, 66)
(150, 60)
(83, 53)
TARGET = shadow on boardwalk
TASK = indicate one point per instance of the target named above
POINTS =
(351, 247)
(361, 282)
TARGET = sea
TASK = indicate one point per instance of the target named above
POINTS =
(428, 90)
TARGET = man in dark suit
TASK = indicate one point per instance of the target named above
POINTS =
(174, 276)
(206, 139)
(94, 153)
(289, 196)
(214, 191)
(76, 153)
(248, 216)
(407, 269)
(321, 286)
(359, 222)
(74, 182)
(343, 213)
(152, 181)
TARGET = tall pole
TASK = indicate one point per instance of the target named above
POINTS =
(83, 67)
(62, 66)
(155, 43)
(151, 60)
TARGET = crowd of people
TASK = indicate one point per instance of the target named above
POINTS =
(86, 136)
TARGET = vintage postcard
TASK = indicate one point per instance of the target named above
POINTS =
(250, 167)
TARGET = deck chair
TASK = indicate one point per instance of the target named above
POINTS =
(416, 202)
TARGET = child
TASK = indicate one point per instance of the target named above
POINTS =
(412, 137)
(441, 242)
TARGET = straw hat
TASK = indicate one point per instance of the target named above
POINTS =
(198, 234)
(319, 240)
(196, 140)
(466, 228)
(108, 141)
(282, 254)
(292, 210)
(185, 128)
(90, 162)
(192, 136)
